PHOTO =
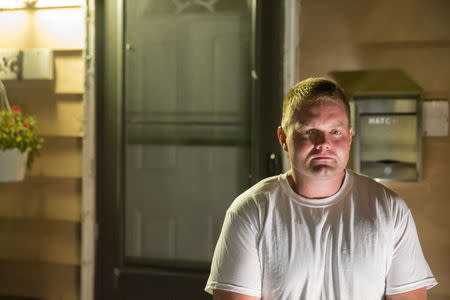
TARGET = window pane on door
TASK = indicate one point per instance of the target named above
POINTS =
(187, 100)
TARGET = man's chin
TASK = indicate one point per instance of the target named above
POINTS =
(325, 171)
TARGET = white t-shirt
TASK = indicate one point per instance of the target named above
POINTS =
(360, 243)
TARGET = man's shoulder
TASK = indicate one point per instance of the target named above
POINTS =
(264, 186)
(256, 196)
(372, 190)
(366, 182)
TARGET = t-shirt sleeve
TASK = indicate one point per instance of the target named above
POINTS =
(409, 270)
(235, 266)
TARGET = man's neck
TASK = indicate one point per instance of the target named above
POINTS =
(313, 187)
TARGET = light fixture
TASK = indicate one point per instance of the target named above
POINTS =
(22, 4)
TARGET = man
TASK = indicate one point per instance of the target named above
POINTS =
(319, 231)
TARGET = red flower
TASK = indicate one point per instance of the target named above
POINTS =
(26, 125)
(15, 108)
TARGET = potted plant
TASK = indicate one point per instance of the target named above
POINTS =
(19, 142)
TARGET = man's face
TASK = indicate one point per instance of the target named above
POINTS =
(319, 139)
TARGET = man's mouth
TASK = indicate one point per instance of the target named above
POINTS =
(322, 157)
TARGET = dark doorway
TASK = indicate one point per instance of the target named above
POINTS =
(189, 100)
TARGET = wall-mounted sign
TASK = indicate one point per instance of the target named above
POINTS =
(38, 64)
(435, 117)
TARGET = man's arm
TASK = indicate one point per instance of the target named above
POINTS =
(419, 294)
(224, 295)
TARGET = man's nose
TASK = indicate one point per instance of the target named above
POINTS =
(320, 140)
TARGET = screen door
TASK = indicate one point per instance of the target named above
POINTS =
(187, 123)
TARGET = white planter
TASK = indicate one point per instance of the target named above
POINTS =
(12, 165)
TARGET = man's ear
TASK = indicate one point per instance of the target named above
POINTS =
(282, 138)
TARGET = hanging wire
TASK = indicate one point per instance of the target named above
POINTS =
(4, 103)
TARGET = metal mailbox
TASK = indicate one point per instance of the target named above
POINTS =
(387, 143)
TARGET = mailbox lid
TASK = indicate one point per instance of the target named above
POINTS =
(377, 105)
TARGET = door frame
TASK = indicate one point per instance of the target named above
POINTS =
(267, 92)
(291, 59)
(109, 61)
(88, 198)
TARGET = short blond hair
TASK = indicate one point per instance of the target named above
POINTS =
(311, 91)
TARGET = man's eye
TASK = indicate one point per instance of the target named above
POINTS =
(307, 132)
(336, 132)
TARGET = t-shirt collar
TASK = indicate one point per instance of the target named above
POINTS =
(345, 187)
